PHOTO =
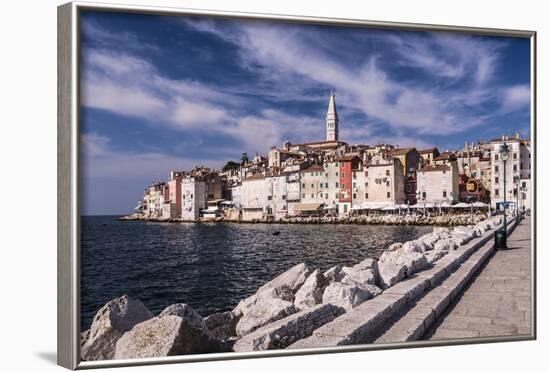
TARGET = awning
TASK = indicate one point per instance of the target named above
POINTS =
(461, 205)
(307, 207)
(390, 208)
(445, 205)
(479, 204)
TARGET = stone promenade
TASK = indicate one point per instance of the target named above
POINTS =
(497, 301)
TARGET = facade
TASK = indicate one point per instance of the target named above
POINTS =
(254, 198)
(153, 200)
(518, 167)
(384, 183)
(193, 194)
(172, 204)
(427, 156)
(438, 183)
(277, 205)
(409, 157)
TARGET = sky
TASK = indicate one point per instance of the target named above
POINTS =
(172, 92)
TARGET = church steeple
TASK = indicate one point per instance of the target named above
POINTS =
(332, 119)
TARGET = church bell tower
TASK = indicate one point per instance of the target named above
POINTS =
(332, 119)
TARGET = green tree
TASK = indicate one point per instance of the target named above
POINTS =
(230, 165)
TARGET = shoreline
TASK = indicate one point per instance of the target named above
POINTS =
(408, 220)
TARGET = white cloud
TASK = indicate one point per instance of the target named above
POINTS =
(516, 97)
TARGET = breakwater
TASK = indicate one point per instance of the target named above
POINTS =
(302, 307)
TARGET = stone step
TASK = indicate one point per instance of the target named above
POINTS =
(427, 309)
(367, 322)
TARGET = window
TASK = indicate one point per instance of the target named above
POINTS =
(496, 156)
(388, 194)
(354, 175)
(355, 196)
(496, 192)
(524, 196)
(366, 184)
(524, 185)
(388, 183)
(336, 196)
(366, 173)
(303, 185)
(515, 167)
(313, 173)
(335, 164)
(387, 172)
(336, 174)
(496, 168)
(366, 195)
(345, 208)
(336, 184)
(326, 165)
(444, 193)
(326, 196)
(515, 155)
(303, 196)
(355, 185)
(321, 184)
(496, 179)
(343, 175)
(520, 165)
(284, 197)
(270, 197)
(515, 192)
(423, 194)
(326, 185)
(312, 196)
(343, 186)
(311, 185)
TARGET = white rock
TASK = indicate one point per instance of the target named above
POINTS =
(349, 296)
(360, 277)
(394, 247)
(111, 321)
(264, 311)
(293, 278)
(222, 325)
(283, 292)
(311, 292)
(433, 256)
(395, 266)
(445, 245)
(185, 311)
(368, 263)
(417, 246)
(164, 336)
(334, 274)
(284, 332)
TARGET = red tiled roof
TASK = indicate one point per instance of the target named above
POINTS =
(435, 168)
(402, 151)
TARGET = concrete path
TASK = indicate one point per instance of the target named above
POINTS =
(497, 302)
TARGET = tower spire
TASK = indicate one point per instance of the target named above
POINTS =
(332, 119)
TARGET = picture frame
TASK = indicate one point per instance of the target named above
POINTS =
(69, 188)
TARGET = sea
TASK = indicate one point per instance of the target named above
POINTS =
(211, 266)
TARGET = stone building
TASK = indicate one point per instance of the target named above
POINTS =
(518, 167)
(277, 205)
(427, 156)
(384, 182)
(153, 199)
(193, 197)
(438, 183)
(254, 198)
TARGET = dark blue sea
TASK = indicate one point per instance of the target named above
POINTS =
(211, 266)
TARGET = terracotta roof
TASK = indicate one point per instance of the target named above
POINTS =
(473, 154)
(435, 168)
(347, 158)
(445, 155)
(402, 151)
(427, 151)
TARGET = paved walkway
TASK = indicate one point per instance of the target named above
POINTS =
(498, 300)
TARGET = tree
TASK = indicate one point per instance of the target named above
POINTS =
(230, 165)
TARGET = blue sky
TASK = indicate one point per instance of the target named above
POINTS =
(161, 93)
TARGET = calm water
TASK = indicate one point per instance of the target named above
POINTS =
(211, 266)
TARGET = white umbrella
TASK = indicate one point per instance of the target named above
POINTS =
(403, 206)
(429, 205)
(445, 205)
(461, 205)
(390, 208)
(375, 207)
(479, 204)
(356, 208)
(416, 206)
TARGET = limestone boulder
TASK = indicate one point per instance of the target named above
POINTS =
(395, 266)
(361, 277)
(394, 247)
(284, 293)
(284, 332)
(311, 292)
(292, 278)
(415, 246)
(109, 324)
(185, 311)
(445, 245)
(433, 256)
(222, 325)
(264, 311)
(348, 296)
(334, 274)
(164, 336)
(368, 263)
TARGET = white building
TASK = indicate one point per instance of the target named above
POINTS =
(438, 183)
(518, 169)
(332, 119)
(277, 205)
(382, 183)
(193, 194)
(254, 193)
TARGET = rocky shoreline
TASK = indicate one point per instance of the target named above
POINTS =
(405, 220)
(281, 313)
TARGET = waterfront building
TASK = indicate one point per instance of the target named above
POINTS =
(172, 203)
(438, 183)
(467, 159)
(293, 190)
(277, 205)
(254, 193)
(346, 165)
(445, 158)
(314, 188)
(384, 182)
(518, 168)
(427, 156)
(153, 199)
(409, 157)
(193, 194)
